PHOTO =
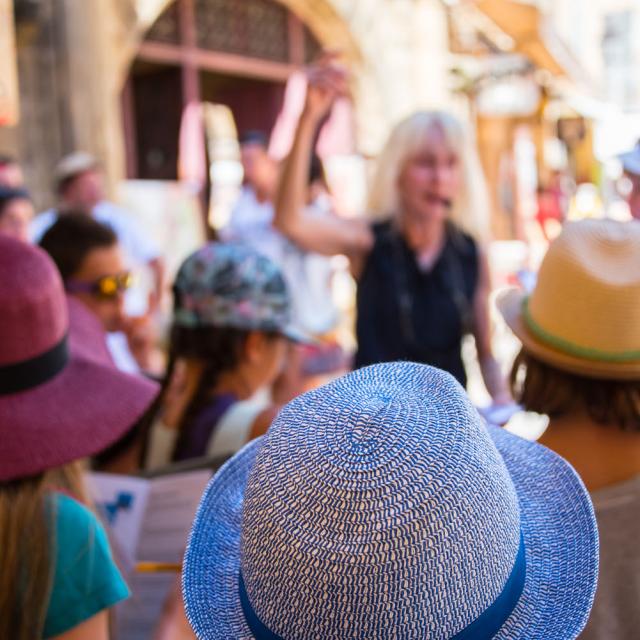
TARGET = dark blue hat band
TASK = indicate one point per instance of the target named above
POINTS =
(484, 627)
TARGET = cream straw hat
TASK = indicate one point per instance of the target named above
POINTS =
(584, 314)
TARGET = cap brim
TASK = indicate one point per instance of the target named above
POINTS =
(80, 412)
(509, 303)
(558, 526)
(290, 331)
(298, 336)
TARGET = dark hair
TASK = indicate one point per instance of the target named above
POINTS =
(542, 388)
(8, 194)
(218, 348)
(72, 237)
(254, 136)
(62, 185)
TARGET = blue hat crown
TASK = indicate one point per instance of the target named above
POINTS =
(378, 501)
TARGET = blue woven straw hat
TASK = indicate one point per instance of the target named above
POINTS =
(380, 506)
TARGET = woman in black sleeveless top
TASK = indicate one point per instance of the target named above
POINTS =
(406, 313)
(423, 280)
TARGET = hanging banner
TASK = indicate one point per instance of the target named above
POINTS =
(8, 69)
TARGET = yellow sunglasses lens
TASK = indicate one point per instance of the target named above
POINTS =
(110, 285)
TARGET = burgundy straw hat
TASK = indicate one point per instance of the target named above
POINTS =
(87, 338)
(55, 405)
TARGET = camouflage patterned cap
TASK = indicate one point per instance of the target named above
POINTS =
(231, 285)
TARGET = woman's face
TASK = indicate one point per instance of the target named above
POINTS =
(430, 178)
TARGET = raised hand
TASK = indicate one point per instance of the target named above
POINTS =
(326, 81)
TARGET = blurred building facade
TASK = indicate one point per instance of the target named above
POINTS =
(552, 87)
(117, 78)
(114, 78)
(516, 71)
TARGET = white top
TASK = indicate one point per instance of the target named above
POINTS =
(251, 223)
(310, 279)
(230, 435)
(118, 346)
(137, 246)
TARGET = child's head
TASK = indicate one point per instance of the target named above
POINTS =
(380, 505)
(232, 312)
(580, 327)
(231, 322)
(91, 263)
(256, 357)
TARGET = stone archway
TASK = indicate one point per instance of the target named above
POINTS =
(100, 39)
(75, 66)
(319, 16)
(132, 19)
(411, 74)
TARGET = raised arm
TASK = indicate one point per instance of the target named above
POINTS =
(328, 235)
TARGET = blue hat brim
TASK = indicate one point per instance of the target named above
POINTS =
(558, 526)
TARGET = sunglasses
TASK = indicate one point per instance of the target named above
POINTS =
(105, 288)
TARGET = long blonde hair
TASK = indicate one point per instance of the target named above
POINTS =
(470, 210)
(27, 537)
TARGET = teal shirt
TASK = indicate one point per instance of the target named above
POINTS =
(86, 579)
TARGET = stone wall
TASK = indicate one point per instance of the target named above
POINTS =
(69, 60)
(404, 49)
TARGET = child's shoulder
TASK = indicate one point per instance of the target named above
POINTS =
(86, 580)
(73, 519)
(81, 540)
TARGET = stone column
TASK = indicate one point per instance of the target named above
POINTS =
(70, 75)
(89, 43)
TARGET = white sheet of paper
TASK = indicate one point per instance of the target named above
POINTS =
(171, 507)
(147, 520)
(121, 502)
